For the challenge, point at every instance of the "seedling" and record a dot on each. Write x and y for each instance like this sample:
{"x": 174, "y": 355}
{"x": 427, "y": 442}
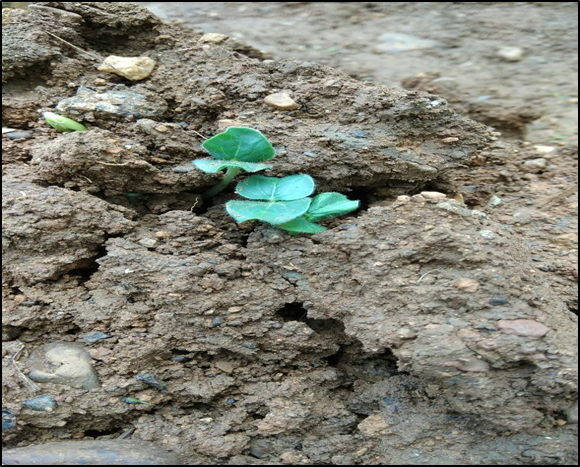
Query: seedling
{"x": 235, "y": 149}
{"x": 285, "y": 203}
{"x": 60, "y": 123}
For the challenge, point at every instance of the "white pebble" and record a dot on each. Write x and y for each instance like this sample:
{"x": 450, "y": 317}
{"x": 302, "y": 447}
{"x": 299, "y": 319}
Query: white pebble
{"x": 132, "y": 68}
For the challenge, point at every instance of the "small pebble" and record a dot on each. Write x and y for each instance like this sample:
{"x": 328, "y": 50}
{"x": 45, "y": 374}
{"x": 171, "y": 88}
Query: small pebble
{"x": 567, "y": 239}
{"x": 511, "y": 53}
{"x": 544, "y": 149}
{"x": 258, "y": 453}
{"x": 497, "y": 301}
{"x": 217, "y": 321}
{"x": 535, "y": 165}
{"x": 433, "y": 195}
{"x": 151, "y": 381}
{"x": 282, "y": 101}
{"x": 95, "y": 337}
{"x": 523, "y": 327}
{"x": 132, "y": 68}
{"x": 213, "y": 38}
{"x": 19, "y": 135}
{"x": 8, "y": 425}
{"x": 466, "y": 284}
{"x": 40, "y": 404}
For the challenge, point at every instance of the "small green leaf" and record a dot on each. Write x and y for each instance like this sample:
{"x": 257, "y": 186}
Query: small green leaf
{"x": 301, "y": 225}
{"x": 272, "y": 212}
{"x": 240, "y": 144}
{"x": 212, "y": 166}
{"x": 327, "y": 205}
{"x": 259, "y": 187}
{"x": 60, "y": 123}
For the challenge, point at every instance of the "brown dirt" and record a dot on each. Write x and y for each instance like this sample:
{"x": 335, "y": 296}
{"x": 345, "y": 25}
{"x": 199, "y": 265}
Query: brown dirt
{"x": 415, "y": 331}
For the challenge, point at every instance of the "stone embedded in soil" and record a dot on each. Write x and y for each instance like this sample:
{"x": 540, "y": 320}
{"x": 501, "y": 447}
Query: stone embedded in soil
{"x": 535, "y": 165}
{"x": 94, "y": 337}
{"x": 40, "y": 404}
{"x": 433, "y": 195}
{"x": 132, "y": 68}
{"x": 94, "y": 452}
{"x": 213, "y": 38}
{"x": 374, "y": 426}
{"x": 511, "y": 53}
{"x": 523, "y": 327}
{"x": 112, "y": 104}
{"x": 8, "y": 424}
{"x": 466, "y": 284}
{"x": 281, "y": 101}
{"x": 19, "y": 135}
{"x": 63, "y": 363}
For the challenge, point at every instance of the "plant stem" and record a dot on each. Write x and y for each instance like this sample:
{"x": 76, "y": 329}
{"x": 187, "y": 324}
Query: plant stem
{"x": 228, "y": 177}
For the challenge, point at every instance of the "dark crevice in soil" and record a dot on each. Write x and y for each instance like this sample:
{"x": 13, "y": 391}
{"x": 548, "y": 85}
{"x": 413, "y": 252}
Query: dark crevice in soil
{"x": 100, "y": 433}
{"x": 292, "y": 312}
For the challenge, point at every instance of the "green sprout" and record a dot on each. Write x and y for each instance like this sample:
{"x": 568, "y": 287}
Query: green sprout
{"x": 235, "y": 149}
{"x": 60, "y": 123}
{"x": 285, "y": 203}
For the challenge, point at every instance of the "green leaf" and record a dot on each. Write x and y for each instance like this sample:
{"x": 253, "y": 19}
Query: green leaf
{"x": 212, "y": 166}
{"x": 301, "y": 225}
{"x": 327, "y": 205}
{"x": 60, "y": 123}
{"x": 289, "y": 188}
{"x": 240, "y": 144}
{"x": 272, "y": 212}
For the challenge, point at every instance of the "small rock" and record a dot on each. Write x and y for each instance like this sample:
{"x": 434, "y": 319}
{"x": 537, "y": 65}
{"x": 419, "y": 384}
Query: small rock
{"x": 466, "y": 284}
{"x": 93, "y": 337}
{"x": 8, "y": 425}
{"x": 19, "y": 135}
{"x": 217, "y": 321}
{"x": 132, "y": 68}
{"x": 497, "y": 301}
{"x": 213, "y": 38}
{"x": 433, "y": 195}
{"x": 63, "y": 363}
{"x": 373, "y": 426}
{"x": 395, "y": 42}
{"x": 99, "y": 82}
{"x": 151, "y": 381}
{"x": 100, "y": 353}
{"x": 511, "y": 53}
{"x": 406, "y": 333}
{"x": 112, "y": 103}
{"x": 94, "y": 452}
{"x": 225, "y": 366}
{"x": 523, "y": 327}
{"x": 567, "y": 239}
{"x": 535, "y": 165}
{"x": 487, "y": 234}
{"x": 472, "y": 365}
{"x": 40, "y": 404}
{"x": 282, "y": 101}
{"x": 544, "y": 149}
{"x": 257, "y": 453}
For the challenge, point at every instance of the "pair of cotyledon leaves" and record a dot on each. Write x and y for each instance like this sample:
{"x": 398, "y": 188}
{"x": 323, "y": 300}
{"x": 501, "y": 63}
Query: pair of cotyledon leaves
{"x": 283, "y": 202}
